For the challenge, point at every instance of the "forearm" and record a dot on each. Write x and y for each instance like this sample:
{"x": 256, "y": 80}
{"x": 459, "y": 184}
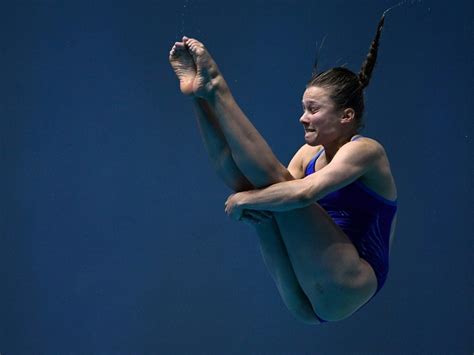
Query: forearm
{"x": 284, "y": 196}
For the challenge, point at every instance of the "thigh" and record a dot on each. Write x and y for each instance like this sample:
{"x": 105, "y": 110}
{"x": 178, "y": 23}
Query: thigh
{"x": 325, "y": 261}
{"x": 278, "y": 264}
{"x": 315, "y": 243}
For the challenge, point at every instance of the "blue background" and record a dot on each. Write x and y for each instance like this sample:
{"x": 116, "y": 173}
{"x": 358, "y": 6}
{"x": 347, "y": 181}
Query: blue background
{"x": 113, "y": 236}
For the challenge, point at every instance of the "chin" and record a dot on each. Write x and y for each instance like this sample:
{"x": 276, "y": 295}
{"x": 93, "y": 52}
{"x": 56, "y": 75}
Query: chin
{"x": 312, "y": 142}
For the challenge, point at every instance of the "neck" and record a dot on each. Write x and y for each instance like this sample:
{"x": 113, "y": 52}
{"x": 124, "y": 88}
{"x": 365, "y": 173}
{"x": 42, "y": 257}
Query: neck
{"x": 331, "y": 148}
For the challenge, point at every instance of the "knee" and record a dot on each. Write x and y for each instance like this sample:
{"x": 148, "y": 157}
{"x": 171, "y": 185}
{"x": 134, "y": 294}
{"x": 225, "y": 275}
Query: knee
{"x": 285, "y": 175}
{"x": 274, "y": 175}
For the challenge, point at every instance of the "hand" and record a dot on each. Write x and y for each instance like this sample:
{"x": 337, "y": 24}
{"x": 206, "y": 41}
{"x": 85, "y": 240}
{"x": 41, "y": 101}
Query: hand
{"x": 235, "y": 208}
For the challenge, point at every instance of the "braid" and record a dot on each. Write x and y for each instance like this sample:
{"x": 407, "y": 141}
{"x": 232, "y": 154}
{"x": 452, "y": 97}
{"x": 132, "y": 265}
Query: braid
{"x": 346, "y": 88}
{"x": 369, "y": 63}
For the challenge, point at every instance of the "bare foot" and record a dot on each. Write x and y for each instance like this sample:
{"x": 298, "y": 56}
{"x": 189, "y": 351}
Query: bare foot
{"x": 206, "y": 69}
{"x": 184, "y": 67}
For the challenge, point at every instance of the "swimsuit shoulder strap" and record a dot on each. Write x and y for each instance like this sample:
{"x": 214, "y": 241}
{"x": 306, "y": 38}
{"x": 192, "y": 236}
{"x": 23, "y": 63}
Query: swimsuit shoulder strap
{"x": 310, "y": 168}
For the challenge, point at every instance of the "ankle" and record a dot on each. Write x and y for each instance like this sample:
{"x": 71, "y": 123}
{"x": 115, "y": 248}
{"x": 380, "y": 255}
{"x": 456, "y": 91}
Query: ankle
{"x": 218, "y": 86}
{"x": 215, "y": 88}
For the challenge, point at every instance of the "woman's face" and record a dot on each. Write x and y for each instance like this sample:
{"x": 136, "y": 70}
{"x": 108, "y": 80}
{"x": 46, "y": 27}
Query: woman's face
{"x": 320, "y": 119}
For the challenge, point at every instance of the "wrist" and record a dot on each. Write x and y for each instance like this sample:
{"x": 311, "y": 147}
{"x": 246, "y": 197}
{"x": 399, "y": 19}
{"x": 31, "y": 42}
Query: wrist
{"x": 245, "y": 201}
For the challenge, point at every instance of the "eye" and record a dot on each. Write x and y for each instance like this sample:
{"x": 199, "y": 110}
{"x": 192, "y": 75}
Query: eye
{"x": 312, "y": 109}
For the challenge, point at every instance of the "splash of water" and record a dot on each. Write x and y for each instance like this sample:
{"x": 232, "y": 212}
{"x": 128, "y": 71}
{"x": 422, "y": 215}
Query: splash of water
{"x": 405, "y": 2}
{"x": 183, "y": 17}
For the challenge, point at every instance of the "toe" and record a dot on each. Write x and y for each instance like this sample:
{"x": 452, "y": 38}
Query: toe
{"x": 198, "y": 43}
{"x": 192, "y": 41}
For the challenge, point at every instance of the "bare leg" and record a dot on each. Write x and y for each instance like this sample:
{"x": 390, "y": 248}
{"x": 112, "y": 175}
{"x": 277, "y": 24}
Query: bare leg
{"x": 271, "y": 244}
{"x": 272, "y": 247}
{"x": 250, "y": 151}
{"x": 217, "y": 148}
{"x": 324, "y": 259}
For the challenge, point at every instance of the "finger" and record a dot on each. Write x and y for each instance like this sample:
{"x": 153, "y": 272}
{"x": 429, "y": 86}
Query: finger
{"x": 267, "y": 214}
{"x": 256, "y": 216}
{"x": 249, "y": 220}
{"x": 253, "y": 214}
{"x": 260, "y": 215}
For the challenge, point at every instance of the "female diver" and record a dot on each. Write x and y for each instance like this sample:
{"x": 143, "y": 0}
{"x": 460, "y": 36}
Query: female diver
{"x": 325, "y": 223}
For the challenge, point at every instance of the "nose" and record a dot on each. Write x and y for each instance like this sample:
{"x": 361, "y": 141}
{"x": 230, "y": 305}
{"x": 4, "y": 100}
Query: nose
{"x": 304, "y": 119}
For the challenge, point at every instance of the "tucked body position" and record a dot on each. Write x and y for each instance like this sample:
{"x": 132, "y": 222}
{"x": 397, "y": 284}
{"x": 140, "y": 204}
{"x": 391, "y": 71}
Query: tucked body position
{"x": 326, "y": 222}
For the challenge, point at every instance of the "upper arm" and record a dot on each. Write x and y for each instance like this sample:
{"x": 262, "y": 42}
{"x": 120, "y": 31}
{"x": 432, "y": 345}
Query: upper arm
{"x": 352, "y": 161}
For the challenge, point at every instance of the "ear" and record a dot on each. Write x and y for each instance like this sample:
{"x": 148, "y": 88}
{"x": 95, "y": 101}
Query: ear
{"x": 348, "y": 115}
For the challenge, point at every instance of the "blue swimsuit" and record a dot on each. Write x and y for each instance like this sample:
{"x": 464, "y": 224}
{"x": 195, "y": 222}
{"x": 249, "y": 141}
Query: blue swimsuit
{"x": 365, "y": 217}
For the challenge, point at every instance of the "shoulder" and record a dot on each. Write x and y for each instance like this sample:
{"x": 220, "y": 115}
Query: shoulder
{"x": 364, "y": 148}
{"x": 364, "y": 157}
{"x": 378, "y": 176}
{"x": 372, "y": 144}
{"x": 301, "y": 159}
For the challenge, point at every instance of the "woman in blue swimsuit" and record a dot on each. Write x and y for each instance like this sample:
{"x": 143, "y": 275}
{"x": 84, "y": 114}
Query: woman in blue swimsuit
{"x": 325, "y": 223}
